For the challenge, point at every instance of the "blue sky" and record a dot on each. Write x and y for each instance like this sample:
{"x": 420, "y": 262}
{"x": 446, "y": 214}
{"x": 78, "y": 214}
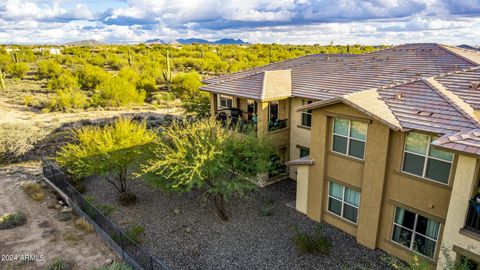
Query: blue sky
{"x": 256, "y": 21}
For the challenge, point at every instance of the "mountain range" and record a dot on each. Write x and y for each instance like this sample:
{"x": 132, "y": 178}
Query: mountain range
{"x": 196, "y": 40}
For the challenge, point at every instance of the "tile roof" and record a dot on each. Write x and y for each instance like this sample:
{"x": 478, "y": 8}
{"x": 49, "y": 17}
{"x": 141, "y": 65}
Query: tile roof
{"x": 424, "y": 87}
{"x": 322, "y": 77}
{"x": 466, "y": 141}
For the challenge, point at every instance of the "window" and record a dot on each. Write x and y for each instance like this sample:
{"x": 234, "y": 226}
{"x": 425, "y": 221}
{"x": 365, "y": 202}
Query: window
{"x": 226, "y": 101}
{"x": 415, "y": 232}
{"x": 343, "y": 201}
{"x": 306, "y": 115}
{"x": 304, "y": 152}
{"x": 467, "y": 263}
{"x": 425, "y": 161}
{"x": 349, "y": 137}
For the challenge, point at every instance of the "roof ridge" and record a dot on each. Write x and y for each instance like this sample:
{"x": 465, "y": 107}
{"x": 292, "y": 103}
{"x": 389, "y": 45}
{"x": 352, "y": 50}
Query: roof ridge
{"x": 454, "y": 100}
{"x": 447, "y": 49}
{"x": 283, "y": 61}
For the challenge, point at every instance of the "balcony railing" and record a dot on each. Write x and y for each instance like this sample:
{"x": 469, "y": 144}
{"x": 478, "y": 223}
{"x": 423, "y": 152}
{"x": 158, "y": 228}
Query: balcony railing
{"x": 277, "y": 124}
{"x": 473, "y": 216}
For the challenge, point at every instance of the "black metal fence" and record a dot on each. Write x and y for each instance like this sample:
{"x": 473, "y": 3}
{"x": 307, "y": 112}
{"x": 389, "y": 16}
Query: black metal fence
{"x": 473, "y": 216}
{"x": 125, "y": 247}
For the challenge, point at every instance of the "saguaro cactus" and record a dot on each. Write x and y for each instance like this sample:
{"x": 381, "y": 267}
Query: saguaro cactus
{"x": 167, "y": 72}
{"x": 130, "y": 59}
{"x": 2, "y": 80}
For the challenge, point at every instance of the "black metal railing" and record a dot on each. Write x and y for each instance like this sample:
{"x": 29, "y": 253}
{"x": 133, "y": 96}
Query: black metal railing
{"x": 125, "y": 247}
{"x": 277, "y": 124}
{"x": 473, "y": 216}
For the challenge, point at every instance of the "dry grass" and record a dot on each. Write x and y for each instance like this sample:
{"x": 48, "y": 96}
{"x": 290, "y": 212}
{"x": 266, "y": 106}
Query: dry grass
{"x": 82, "y": 224}
{"x": 71, "y": 237}
{"x": 33, "y": 190}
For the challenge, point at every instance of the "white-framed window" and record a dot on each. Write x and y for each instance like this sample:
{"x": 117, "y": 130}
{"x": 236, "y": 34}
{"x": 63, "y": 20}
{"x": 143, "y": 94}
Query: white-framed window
{"x": 421, "y": 159}
{"x": 349, "y": 137}
{"x": 226, "y": 101}
{"x": 306, "y": 115}
{"x": 343, "y": 201}
{"x": 415, "y": 232}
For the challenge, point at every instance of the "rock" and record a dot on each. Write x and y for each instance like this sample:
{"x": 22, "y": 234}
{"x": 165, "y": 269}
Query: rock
{"x": 61, "y": 202}
{"x": 48, "y": 233}
{"x": 188, "y": 230}
{"x": 67, "y": 209}
{"x": 109, "y": 261}
{"x": 64, "y": 216}
{"x": 176, "y": 211}
{"x": 44, "y": 224}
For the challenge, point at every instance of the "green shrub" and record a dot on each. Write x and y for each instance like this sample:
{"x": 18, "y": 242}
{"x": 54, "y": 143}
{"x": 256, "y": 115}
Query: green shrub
{"x": 17, "y": 70}
{"x": 312, "y": 243}
{"x": 115, "y": 266}
{"x": 65, "y": 81}
{"x": 11, "y": 220}
{"x": 118, "y": 91}
{"x": 18, "y": 139}
{"x": 90, "y": 76}
{"x": 59, "y": 264}
{"x": 33, "y": 190}
{"x": 105, "y": 209}
{"x": 49, "y": 68}
{"x": 199, "y": 105}
{"x": 135, "y": 232}
{"x": 68, "y": 99}
{"x": 186, "y": 85}
{"x": 29, "y": 100}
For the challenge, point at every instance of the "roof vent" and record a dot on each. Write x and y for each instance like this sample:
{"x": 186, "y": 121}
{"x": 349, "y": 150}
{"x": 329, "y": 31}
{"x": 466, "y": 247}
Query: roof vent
{"x": 418, "y": 74}
{"x": 475, "y": 85}
{"x": 398, "y": 96}
{"x": 424, "y": 113}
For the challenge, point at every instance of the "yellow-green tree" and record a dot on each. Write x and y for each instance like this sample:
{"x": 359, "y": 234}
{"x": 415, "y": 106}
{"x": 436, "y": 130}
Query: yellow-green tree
{"x": 204, "y": 155}
{"x": 114, "y": 152}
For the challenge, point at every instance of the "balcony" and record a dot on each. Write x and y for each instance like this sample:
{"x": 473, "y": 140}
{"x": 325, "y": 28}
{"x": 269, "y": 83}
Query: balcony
{"x": 277, "y": 125}
{"x": 232, "y": 119}
{"x": 473, "y": 216}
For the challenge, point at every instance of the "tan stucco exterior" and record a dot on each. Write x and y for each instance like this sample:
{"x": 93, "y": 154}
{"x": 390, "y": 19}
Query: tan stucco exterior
{"x": 378, "y": 178}
{"x": 299, "y": 135}
{"x": 455, "y": 237}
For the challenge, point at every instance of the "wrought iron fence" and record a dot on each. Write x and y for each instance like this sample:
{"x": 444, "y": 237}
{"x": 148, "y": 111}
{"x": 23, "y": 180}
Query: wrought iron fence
{"x": 125, "y": 247}
{"x": 473, "y": 216}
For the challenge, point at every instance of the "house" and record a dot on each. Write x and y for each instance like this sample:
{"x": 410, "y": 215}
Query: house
{"x": 384, "y": 146}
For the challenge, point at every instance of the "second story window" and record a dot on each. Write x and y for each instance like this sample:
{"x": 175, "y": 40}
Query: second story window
{"x": 226, "y": 101}
{"x": 423, "y": 160}
{"x": 306, "y": 115}
{"x": 349, "y": 137}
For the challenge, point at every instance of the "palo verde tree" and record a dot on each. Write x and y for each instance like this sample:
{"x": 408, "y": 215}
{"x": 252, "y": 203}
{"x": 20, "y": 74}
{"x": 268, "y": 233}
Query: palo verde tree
{"x": 114, "y": 152}
{"x": 203, "y": 155}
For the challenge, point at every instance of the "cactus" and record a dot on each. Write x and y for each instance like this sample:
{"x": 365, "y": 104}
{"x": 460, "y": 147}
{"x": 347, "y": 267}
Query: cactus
{"x": 167, "y": 72}
{"x": 130, "y": 59}
{"x": 2, "y": 80}
{"x": 15, "y": 58}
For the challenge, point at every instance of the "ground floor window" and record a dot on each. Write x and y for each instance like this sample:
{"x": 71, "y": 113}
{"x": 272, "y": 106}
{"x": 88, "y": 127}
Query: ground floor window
{"x": 304, "y": 152}
{"x": 343, "y": 201}
{"x": 415, "y": 232}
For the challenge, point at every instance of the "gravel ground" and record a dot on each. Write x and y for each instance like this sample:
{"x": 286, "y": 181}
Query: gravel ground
{"x": 185, "y": 232}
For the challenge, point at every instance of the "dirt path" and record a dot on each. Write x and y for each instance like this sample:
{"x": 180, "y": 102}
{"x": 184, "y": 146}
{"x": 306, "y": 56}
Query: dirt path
{"x": 43, "y": 234}
{"x": 12, "y": 113}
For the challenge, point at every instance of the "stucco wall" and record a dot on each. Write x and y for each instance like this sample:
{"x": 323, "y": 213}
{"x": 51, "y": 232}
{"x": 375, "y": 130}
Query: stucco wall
{"x": 298, "y": 135}
{"x": 462, "y": 190}
{"x": 378, "y": 177}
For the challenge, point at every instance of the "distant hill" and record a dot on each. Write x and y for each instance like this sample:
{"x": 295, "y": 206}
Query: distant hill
{"x": 174, "y": 42}
{"x": 200, "y": 41}
{"x": 230, "y": 41}
{"x": 468, "y": 47}
{"x": 155, "y": 41}
{"x": 193, "y": 40}
{"x": 87, "y": 42}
